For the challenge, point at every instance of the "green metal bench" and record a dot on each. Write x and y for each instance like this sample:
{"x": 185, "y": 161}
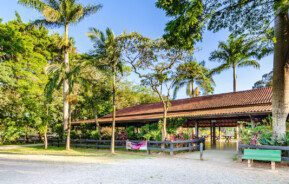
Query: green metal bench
{"x": 262, "y": 155}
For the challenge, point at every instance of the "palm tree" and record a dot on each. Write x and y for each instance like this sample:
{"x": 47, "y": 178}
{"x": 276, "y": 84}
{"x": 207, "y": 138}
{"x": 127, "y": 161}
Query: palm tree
{"x": 193, "y": 73}
{"x": 235, "y": 53}
{"x": 107, "y": 51}
{"x": 61, "y": 13}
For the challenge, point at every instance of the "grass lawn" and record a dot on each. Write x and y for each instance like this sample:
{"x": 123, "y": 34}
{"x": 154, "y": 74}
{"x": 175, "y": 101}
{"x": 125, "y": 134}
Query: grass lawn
{"x": 60, "y": 151}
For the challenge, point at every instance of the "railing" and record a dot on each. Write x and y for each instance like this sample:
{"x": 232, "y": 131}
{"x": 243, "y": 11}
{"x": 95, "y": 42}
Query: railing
{"x": 164, "y": 146}
{"x": 284, "y": 149}
{"x": 178, "y": 145}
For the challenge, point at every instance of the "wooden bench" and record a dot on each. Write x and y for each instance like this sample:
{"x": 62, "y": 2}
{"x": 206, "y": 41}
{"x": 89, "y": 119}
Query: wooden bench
{"x": 262, "y": 155}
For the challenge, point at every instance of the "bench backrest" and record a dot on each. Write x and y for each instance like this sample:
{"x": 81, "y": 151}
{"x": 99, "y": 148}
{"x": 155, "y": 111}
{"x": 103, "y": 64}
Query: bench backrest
{"x": 263, "y": 155}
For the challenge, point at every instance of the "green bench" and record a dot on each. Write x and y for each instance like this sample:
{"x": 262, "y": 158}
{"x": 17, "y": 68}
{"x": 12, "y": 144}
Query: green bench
{"x": 262, "y": 155}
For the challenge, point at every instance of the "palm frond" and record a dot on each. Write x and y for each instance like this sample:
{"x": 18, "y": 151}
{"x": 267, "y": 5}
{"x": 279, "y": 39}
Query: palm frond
{"x": 220, "y": 68}
{"x": 52, "y": 68}
{"x": 249, "y": 62}
{"x": 43, "y": 22}
{"x": 51, "y": 14}
{"x": 53, "y": 3}
{"x": 89, "y": 10}
{"x": 36, "y": 4}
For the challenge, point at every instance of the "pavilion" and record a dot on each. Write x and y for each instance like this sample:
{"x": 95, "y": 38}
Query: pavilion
{"x": 220, "y": 110}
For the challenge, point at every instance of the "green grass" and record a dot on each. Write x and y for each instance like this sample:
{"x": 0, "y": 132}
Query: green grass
{"x": 60, "y": 151}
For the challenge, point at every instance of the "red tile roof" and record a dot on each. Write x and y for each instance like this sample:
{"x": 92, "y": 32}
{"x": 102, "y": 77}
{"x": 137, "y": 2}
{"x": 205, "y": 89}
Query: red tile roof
{"x": 255, "y": 101}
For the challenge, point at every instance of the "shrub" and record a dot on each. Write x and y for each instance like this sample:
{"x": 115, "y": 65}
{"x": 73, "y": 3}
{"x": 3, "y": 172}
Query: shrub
{"x": 261, "y": 134}
{"x": 131, "y": 134}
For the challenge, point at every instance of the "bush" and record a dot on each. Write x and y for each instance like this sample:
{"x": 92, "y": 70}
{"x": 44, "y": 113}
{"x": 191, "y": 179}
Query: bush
{"x": 151, "y": 131}
{"x": 261, "y": 134}
{"x": 131, "y": 134}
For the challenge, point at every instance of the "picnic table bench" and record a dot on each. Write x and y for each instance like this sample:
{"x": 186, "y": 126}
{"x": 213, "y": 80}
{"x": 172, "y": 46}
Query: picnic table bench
{"x": 262, "y": 155}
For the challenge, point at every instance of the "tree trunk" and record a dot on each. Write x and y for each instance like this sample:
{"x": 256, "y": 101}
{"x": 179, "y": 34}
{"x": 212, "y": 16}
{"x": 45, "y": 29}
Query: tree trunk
{"x": 164, "y": 127}
{"x": 68, "y": 131}
{"x": 65, "y": 81}
{"x": 113, "y": 113}
{"x": 280, "y": 98}
{"x": 97, "y": 126}
{"x": 234, "y": 79}
{"x": 45, "y": 139}
{"x": 192, "y": 89}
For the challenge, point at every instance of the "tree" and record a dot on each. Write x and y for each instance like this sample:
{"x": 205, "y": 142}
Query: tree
{"x": 57, "y": 74}
{"x": 235, "y": 53}
{"x": 155, "y": 63}
{"x": 61, "y": 13}
{"x": 107, "y": 50}
{"x": 254, "y": 17}
{"x": 193, "y": 73}
{"x": 265, "y": 82}
{"x": 26, "y": 51}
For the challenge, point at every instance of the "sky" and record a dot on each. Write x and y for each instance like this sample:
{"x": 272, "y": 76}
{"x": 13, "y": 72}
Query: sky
{"x": 142, "y": 16}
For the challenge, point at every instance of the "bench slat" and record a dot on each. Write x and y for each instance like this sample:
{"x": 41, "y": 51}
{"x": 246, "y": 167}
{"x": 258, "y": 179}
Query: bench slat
{"x": 262, "y": 155}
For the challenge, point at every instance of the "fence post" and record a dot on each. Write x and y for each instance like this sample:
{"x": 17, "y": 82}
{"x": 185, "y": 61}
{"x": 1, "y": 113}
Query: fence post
{"x": 190, "y": 146}
{"x": 201, "y": 150}
{"x": 148, "y": 148}
{"x": 171, "y": 148}
{"x": 239, "y": 153}
{"x": 96, "y": 144}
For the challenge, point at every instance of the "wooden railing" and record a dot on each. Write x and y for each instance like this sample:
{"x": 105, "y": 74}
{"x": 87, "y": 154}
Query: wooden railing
{"x": 284, "y": 149}
{"x": 164, "y": 146}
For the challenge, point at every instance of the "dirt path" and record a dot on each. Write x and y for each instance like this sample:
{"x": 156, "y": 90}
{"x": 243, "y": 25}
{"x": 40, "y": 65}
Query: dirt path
{"x": 217, "y": 167}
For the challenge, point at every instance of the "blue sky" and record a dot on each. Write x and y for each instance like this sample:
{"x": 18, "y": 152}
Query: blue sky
{"x": 142, "y": 16}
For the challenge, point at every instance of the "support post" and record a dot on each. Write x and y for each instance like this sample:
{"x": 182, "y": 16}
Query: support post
{"x": 201, "y": 150}
{"x": 190, "y": 146}
{"x": 273, "y": 165}
{"x": 238, "y": 138}
{"x": 214, "y": 133}
{"x": 211, "y": 133}
{"x": 219, "y": 133}
{"x": 171, "y": 148}
{"x": 249, "y": 163}
{"x": 196, "y": 129}
{"x": 148, "y": 148}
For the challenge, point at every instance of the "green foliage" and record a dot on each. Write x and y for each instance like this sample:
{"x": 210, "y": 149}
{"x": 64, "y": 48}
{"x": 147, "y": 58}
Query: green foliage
{"x": 193, "y": 73}
{"x": 60, "y": 13}
{"x": 151, "y": 131}
{"x": 190, "y": 18}
{"x": 22, "y": 81}
{"x": 236, "y": 52}
{"x": 186, "y": 25}
{"x": 261, "y": 134}
{"x": 131, "y": 134}
{"x": 174, "y": 124}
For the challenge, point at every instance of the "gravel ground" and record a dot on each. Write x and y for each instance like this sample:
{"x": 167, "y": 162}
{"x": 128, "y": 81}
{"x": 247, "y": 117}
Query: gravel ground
{"x": 217, "y": 167}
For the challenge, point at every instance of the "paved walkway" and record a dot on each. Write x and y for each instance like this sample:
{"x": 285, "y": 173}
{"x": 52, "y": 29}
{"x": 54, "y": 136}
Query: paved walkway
{"x": 217, "y": 167}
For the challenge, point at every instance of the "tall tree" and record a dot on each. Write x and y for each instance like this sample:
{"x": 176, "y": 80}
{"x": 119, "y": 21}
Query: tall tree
{"x": 235, "y": 53}
{"x": 62, "y": 13}
{"x": 155, "y": 63}
{"x": 26, "y": 51}
{"x": 107, "y": 51}
{"x": 193, "y": 74}
{"x": 255, "y": 17}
